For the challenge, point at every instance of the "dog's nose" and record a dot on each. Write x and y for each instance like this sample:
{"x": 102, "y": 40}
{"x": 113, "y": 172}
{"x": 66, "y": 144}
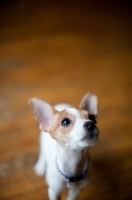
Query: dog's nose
{"x": 89, "y": 125}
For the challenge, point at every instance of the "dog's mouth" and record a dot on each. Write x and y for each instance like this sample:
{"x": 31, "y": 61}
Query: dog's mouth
{"x": 91, "y": 135}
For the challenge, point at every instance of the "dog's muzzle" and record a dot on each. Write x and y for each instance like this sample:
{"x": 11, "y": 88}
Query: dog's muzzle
{"x": 91, "y": 128}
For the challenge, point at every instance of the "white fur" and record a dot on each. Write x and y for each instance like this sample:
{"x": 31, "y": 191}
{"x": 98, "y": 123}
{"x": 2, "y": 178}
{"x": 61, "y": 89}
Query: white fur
{"x": 62, "y": 106}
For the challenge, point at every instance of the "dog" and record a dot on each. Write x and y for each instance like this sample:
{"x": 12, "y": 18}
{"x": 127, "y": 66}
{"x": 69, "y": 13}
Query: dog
{"x": 66, "y": 135}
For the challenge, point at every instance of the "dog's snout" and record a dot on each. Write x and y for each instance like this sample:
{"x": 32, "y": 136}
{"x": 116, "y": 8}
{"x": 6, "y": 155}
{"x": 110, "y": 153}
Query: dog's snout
{"x": 89, "y": 125}
{"x": 91, "y": 129}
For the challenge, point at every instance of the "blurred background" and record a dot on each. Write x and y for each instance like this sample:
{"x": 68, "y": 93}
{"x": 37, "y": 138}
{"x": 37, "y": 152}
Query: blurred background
{"x": 58, "y": 51}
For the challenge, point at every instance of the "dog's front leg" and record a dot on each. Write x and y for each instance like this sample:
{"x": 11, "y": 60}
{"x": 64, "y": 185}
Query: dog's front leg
{"x": 39, "y": 167}
{"x": 54, "y": 194}
{"x": 73, "y": 193}
{"x": 76, "y": 189}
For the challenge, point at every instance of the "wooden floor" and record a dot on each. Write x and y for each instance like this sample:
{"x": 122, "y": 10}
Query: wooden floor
{"x": 58, "y": 52}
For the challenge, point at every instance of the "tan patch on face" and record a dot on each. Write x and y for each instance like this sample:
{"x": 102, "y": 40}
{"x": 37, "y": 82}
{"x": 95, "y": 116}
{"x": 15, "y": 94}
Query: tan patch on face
{"x": 60, "y": 132}
{"x": 83, "y": 113}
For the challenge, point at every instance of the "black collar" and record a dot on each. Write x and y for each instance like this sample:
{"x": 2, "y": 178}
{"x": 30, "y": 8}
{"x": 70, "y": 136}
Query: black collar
{"x": 73, "y": 179}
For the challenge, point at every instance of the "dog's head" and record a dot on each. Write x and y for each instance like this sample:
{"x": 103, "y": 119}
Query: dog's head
{"x": 72, "y": 127}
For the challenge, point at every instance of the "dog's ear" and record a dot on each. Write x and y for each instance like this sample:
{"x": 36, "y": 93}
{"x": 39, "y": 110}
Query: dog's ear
{"x": 43, "y": 113}
{"x": 90, "y": 103}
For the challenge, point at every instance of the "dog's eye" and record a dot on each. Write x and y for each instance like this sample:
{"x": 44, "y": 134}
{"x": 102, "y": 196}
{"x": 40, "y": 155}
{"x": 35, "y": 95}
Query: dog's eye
{"x": 92, "y": 118}
{"x": 65, "y": 122}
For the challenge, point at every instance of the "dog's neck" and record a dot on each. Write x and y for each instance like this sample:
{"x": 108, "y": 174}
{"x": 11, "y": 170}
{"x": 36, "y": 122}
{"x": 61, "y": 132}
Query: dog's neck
{"x": 72, "y": 162}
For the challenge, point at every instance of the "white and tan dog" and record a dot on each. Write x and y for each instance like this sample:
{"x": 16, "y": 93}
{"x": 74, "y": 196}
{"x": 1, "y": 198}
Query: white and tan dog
{"x": 66, "y": 135}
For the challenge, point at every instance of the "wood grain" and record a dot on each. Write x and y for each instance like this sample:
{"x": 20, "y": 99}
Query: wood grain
{"x": 58, "y": 51}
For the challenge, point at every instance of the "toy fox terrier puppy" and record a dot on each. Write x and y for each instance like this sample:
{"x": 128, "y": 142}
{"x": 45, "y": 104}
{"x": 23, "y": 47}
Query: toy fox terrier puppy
{"x": 66, "y": 135}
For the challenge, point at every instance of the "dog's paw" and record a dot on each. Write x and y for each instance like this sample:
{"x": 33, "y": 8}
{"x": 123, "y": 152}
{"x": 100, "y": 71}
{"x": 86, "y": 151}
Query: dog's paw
{"x": 39, "y": 169}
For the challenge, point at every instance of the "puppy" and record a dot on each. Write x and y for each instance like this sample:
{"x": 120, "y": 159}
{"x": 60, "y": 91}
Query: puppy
{"x": 66, "y": 135}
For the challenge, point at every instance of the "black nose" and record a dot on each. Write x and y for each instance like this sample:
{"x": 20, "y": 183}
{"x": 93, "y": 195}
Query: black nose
{"x": 89, "y": 125}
